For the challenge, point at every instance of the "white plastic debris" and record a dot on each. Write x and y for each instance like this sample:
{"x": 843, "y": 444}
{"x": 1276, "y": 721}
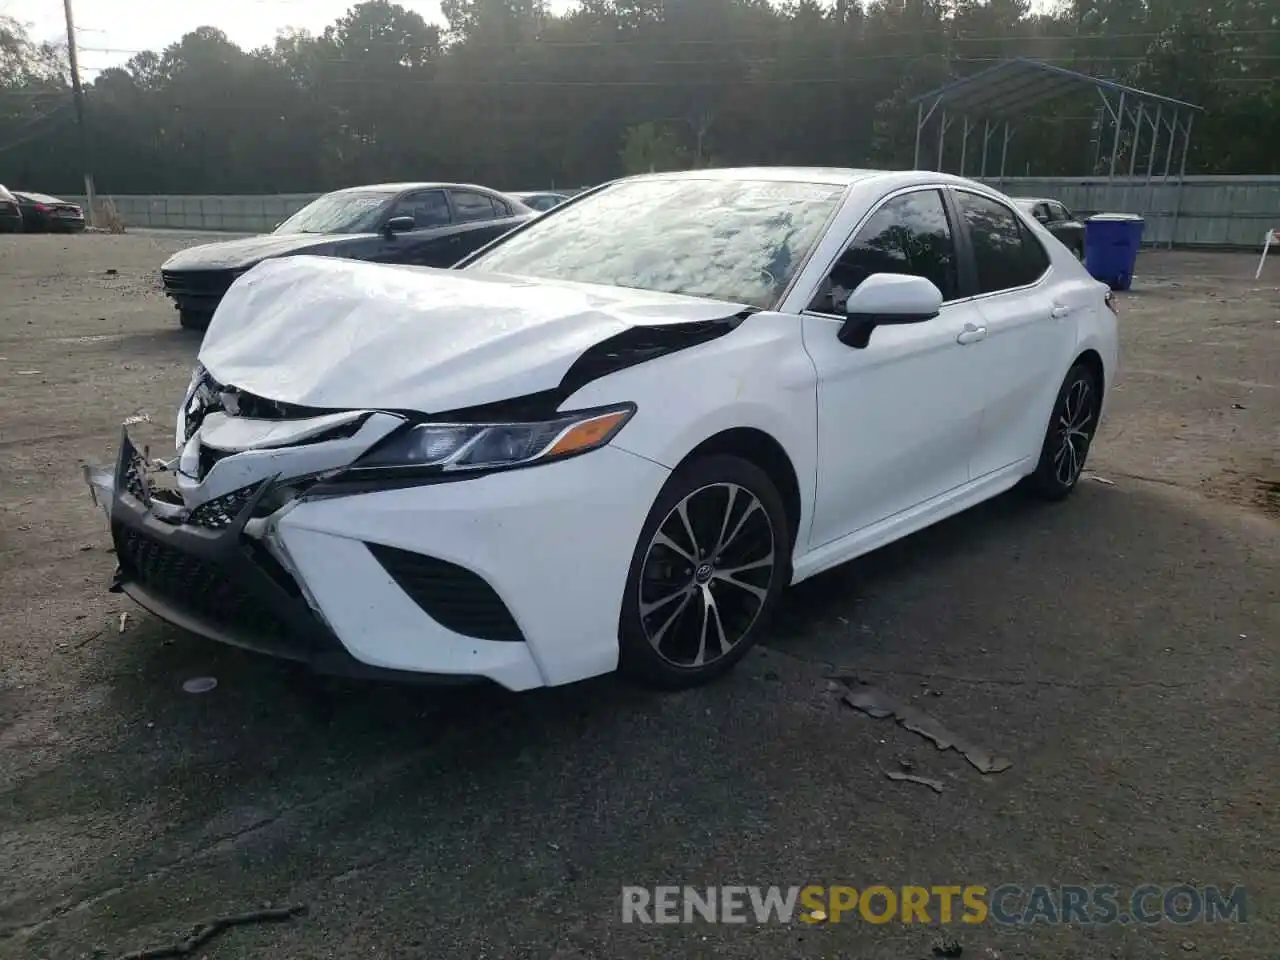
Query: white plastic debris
{"x": 124, "y": 618}
{"x": 200, "y": 684}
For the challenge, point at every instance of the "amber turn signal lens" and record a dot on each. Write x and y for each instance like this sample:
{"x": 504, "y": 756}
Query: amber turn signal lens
{"x": 588, "y": 433}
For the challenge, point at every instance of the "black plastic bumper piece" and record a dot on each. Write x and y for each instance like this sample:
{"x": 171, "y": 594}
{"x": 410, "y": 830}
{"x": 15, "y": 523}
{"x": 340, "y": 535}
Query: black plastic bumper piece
{"x": 453, "y": 596}
{"x": 225, "y": 586}
{"x": 199, "y": 291}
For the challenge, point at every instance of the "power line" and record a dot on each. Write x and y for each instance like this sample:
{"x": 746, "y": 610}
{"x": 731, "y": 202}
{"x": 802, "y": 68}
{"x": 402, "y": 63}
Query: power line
{"x": 34, "y": 121}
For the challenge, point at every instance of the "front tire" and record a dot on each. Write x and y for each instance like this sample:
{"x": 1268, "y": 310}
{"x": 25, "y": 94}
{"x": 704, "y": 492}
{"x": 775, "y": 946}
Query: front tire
{"x": 1069, "y": 435}
{"x": 705, "y": 576}
{"x": 194, "y": 319}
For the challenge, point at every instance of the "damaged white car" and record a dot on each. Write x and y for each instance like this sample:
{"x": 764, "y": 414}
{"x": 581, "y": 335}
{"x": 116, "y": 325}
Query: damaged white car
{"x": 613, "y": 436}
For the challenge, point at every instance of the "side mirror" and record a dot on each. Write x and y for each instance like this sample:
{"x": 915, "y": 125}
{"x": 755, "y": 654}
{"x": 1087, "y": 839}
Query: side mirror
{"x": 399, "y": 225}
{"x": 885, "y": 299}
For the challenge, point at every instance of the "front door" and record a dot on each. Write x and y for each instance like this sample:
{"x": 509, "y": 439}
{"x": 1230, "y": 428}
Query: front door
{"x": 897, "y": 419}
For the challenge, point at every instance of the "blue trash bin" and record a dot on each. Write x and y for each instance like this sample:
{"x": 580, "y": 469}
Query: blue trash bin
{"x": 1111, "y": 242}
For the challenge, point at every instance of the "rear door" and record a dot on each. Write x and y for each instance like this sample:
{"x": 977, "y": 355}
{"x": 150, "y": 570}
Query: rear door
{"x": 470, "y": 206}
{"x": 1030, "y": 334}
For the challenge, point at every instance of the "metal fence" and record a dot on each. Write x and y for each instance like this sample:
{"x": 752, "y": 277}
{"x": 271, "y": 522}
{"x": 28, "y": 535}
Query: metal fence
{"x": 1227, "y": 212}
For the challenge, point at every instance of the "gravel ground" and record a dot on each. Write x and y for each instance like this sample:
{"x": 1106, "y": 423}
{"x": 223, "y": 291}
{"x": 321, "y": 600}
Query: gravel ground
{"x": 1120, "y": 649}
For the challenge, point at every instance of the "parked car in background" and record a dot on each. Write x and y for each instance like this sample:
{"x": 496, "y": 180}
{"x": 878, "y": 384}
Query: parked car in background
{"x": 428, "y": 224}
{"x": 540, "y": 201}
{"x": 611, "y": 438}
{"x": 10, "y": 215}
{"x": 1057, "y": 219}
{"x": 42, "y": 213}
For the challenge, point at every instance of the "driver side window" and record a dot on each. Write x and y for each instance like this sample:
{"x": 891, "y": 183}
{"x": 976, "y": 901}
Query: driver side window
{"x": 427, "y": 207}
{"x": 910, "y": 234}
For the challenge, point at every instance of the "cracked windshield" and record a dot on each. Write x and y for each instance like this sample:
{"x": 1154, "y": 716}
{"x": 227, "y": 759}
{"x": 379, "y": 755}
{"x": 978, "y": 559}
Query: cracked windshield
{"x": 634, "y": 479}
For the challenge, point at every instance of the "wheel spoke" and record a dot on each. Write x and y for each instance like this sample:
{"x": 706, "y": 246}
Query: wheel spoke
{"x": 710, "y": 616}
{"x": 683, "y": 511}
{"x": 751, "y": 508}
{"x": 724, "y": 524}
{"x": 662, "y": 540}
{"x": 758, "y": 592}
{"x": 655, "y": 638}
{"x": 647, "y": 608}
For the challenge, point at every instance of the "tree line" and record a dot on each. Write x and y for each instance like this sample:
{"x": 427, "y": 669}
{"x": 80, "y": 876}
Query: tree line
{"x": 507, "y": 94}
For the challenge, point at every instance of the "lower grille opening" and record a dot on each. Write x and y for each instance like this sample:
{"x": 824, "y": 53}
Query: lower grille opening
{"x": 197, "y": 586}
{"x": 453, "y": 596}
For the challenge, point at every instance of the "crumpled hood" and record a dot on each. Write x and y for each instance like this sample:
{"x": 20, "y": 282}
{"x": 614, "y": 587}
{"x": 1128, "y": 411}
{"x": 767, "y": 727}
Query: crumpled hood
{"x": 330, "y": 333}
{"x": 232, "y": 254}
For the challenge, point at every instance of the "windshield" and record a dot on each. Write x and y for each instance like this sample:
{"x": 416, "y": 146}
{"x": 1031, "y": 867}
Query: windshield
{"x": 345, "y": 212}
{"x": 733, "y": 240}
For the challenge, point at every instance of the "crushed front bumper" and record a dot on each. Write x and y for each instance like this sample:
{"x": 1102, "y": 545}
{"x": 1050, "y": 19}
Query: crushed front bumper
{"x": 217, "y": 581}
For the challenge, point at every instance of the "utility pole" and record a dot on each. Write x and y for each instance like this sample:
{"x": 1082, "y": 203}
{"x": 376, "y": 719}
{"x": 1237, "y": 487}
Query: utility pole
{"x": 78, "y": 92}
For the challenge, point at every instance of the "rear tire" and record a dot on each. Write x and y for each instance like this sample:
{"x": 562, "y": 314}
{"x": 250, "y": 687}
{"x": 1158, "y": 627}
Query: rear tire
{"x": 712, "y": 559}
{"x": 1069, "y": 435}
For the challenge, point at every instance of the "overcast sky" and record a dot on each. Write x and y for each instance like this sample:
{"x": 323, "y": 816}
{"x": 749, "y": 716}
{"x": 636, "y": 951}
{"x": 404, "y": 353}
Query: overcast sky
{"x": 109, "y": 31}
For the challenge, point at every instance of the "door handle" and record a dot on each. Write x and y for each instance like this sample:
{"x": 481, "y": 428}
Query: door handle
{"x": 1059, "y": 311}
{"x": 971, "y": 334}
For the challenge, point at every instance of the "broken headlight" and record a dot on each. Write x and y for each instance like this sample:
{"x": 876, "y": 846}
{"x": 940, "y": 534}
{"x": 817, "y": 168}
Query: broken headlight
{"x": 491, "y": 446}
{"x": 201, "y": 398}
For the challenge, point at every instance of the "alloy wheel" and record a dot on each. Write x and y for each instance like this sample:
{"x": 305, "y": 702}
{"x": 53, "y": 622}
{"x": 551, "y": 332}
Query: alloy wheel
{"x": 706, "y": 575}
{"x": 1074, "y": 431}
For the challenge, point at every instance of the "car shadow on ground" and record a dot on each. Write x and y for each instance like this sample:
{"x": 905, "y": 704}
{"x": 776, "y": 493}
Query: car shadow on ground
{"x": 358, "y": 798}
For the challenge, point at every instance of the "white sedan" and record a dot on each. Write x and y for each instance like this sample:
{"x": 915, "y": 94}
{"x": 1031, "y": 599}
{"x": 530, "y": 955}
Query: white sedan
{"x": 609, "y": 439}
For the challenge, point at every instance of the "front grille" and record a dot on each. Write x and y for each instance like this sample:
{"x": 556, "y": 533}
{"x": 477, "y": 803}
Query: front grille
{"x": 453, "y": 596}
{"x": 197, "y": 587}
{"x": 207, "y": 283}
{"x": 220, "y": 512}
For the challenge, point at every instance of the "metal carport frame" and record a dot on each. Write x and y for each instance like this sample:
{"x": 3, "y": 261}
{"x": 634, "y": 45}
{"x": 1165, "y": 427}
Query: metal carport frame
{"x": 1005, "y": 91}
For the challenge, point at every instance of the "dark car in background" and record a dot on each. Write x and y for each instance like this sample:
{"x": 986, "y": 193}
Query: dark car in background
{"x": 427, "y": 224}
{"x": 42, "y": 213}
{"x": 10, "y": 215}
{"x": 541, "y": 201}
{"x": 1057, "y": 219}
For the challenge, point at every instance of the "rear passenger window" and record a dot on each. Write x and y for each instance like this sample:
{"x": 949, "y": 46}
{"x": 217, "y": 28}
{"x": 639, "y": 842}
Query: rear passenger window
{"x": 473, "y": 206}
{"x": 1005, "y": 252}
{"x": 910, "y": 234}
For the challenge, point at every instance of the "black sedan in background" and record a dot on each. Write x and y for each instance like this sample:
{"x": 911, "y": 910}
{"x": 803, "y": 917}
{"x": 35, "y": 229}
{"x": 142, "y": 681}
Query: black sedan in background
{"x": 42, "y": 213}
{"x": 1057, "y": 219}
{"x": 10, "y": 215}
{"x": 427, "y": 224}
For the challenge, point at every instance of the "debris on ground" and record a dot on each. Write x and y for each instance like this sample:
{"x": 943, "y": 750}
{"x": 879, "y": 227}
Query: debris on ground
{"x": 124, "y": 618}
{"x": 112, "y": 271}
{"x": 879, "y": 705}
{"x": 950, "y": 947}
{"x": 202, "y": 933}
{"x": 139, "y": 417}
{"x": 1103, "y": 480}
{"x": 900, "y": 777}
{"x": 200, "y": 684}
{"x": 1237, "y": 406}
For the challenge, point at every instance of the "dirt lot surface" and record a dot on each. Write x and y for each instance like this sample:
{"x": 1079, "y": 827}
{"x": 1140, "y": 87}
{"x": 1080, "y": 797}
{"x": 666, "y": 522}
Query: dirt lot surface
{"x": 1121, "y": 649}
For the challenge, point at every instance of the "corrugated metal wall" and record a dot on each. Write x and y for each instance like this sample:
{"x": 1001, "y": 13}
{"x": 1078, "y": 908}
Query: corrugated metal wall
{"x": 1197, "y": 211}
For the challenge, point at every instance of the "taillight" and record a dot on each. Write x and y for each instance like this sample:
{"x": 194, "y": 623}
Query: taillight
{"x": 41, "y": 208}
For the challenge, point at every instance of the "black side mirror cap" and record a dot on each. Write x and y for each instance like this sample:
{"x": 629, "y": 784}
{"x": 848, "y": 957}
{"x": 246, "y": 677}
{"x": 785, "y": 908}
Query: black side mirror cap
{"x": 857, "y": 328}
{"x": 399, "y": 225}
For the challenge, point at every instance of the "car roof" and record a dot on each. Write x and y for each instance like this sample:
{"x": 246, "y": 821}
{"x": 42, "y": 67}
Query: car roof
{"x": 836, "y": 176}
{"x": 400, "y": 187}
